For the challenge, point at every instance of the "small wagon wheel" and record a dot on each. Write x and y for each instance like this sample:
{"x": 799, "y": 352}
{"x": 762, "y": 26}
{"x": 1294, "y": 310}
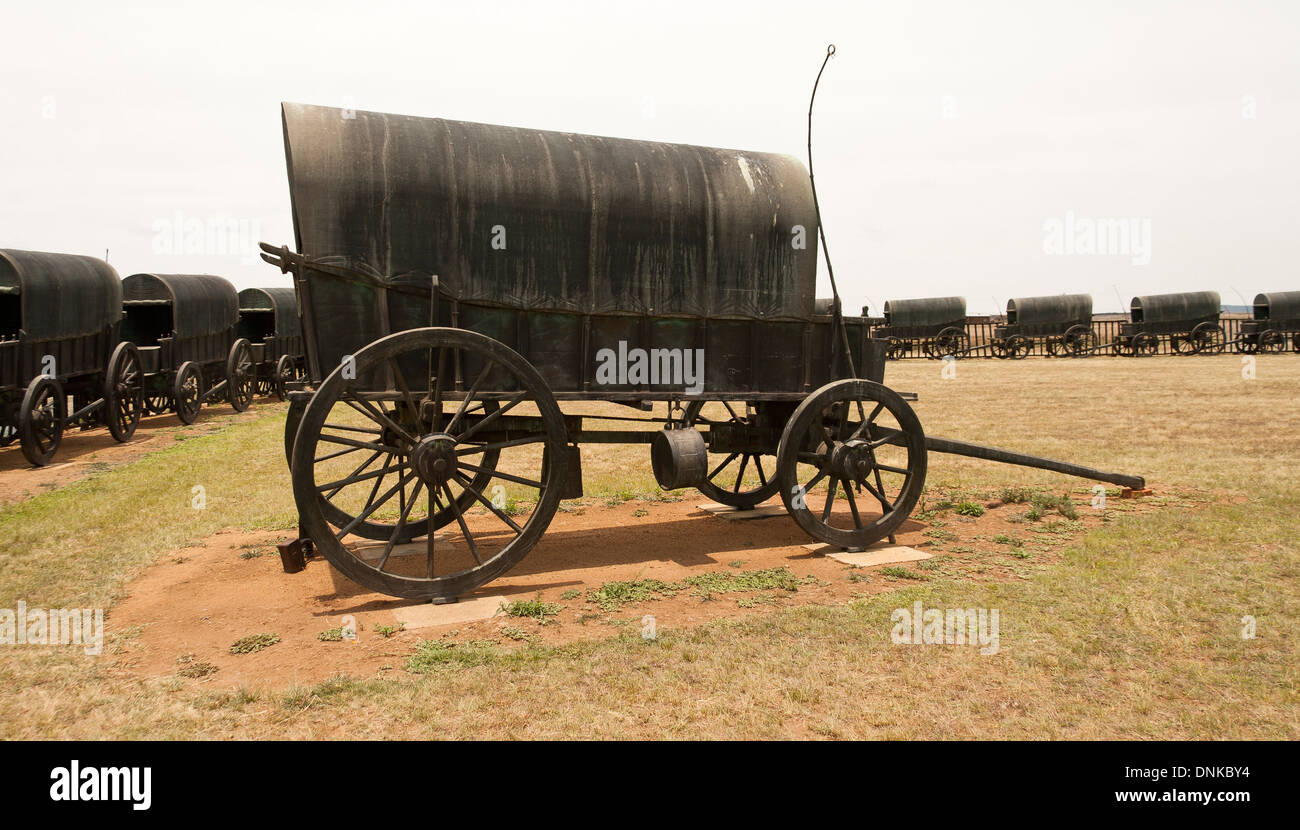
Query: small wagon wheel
{"x": 1019, "y": 347}
{"x": 240, "y": 375}
{"x": 432, "y": 444}
{"x": 1144, "y": 344}
{"x": 285, "y": 374}
{"x": 1295, "y": 342}
{"x": 187, "y": 392}
{"x": 949, "y": 342}
{"x": 896, "y": 348}
{"x": 8, "y": 434}
{"x": 864, "y": 438}
{"x": 156, "y": 403}
{"x": 123, "y": 391}
{"x": 728, "y": 469}
{"x": 1271, "y": 341}
{"x": 999, "y": 349}
{"x": 1206, "y": 338}
{"x": 40, "y": 420}
{"x": 1079, "y": 341}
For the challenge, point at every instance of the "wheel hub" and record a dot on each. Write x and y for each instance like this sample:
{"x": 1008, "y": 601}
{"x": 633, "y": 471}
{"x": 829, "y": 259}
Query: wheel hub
{"x": 852, "y": 460}
{"x": 434, "y": 459}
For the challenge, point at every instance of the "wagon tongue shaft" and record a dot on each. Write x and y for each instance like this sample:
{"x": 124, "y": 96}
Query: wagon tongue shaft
{"x": 953, "y": 447}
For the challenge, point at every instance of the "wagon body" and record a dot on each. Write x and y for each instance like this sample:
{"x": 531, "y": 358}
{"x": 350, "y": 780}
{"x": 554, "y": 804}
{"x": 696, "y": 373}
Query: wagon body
{"x": 1045, "y": 316}
{"x": 1276, "y": 311}
{"x": 61, "y": 363}
{"x": 268, "y": 318}
{"x": 185, "y": 327}
{"x": 919, "y": 318}
{"x": 558, "y": 245}
{"x": 1171, "y": 313}
{"x": 60, "y": 306}
{"x": 174, "y": 318}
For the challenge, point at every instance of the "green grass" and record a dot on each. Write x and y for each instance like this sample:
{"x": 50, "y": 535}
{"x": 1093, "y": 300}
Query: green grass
{"x": 534, "y": 609}
{"x": 253, "y": 643}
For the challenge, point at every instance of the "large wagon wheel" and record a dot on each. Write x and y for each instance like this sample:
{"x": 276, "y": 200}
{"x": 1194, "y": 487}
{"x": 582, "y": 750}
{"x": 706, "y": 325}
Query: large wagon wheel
{"x": 859, "y": 436}
{"x": 240, "y": 375}
{"x": 434, "y": 442}
{"x": 40, "y": 420}
{"x": 123, "y": 391}
{"x": 187, "y": 392}
{"x": 725, "y": 482}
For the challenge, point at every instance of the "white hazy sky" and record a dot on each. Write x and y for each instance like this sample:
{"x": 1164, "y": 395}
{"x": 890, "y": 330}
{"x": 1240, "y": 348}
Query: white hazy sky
{"x": 946, "y": 133}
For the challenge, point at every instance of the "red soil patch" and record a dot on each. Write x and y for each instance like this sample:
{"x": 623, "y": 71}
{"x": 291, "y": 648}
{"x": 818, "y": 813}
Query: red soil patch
{"x": 197, "y": 601}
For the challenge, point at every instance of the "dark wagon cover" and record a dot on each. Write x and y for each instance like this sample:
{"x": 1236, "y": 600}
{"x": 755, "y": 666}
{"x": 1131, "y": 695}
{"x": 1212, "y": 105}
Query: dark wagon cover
{"x": 59, "y": 318}
{"x": 268, "y": 319}
{"x": 185, "y": 328}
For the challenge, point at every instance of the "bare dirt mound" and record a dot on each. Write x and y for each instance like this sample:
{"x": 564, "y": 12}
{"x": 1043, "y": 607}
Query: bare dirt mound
{"x": 183, "y": 615}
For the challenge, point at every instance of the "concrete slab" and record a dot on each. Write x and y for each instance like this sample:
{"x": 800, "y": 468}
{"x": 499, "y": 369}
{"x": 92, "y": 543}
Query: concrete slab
{"x": 427, "y": 615}
{"x": 886, "y": 555}
{"x": 371, "y": 550}
{"x": 722, "y": 511}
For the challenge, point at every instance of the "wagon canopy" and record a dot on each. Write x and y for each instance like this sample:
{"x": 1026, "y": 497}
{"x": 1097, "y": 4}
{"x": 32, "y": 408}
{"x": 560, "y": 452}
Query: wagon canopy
{"x": 1277, "y": 305}
{"x": 279, "y": 299}
{"x": 1060, "y": 308}
{"x": 62, "y": 295}
{"x": 1169, "y": 308}
{"x": 929, "y": 311}
{"x": 554, "y": 221}
{"x": 201, "y": 304}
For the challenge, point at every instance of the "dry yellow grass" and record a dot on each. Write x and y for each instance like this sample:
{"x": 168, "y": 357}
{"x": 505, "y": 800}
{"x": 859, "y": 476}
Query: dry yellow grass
{"x": 1135, "y": 634}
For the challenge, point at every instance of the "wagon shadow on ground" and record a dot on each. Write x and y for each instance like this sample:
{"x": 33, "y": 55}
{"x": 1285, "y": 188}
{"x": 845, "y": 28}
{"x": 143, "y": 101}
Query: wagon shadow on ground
{"x": 697, "y": 540}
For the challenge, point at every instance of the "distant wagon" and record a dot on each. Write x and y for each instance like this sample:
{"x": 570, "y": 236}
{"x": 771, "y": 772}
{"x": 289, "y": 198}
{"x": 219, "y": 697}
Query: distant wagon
{"x": 1189, "y": 322}
{"x": 1275, "y": 322}
{"x": 185, "y": 329}
{"x": 934, "y": 325}
{"x": 268, "y": 320}
{"x": 1062, "y": 323}
{"x": 460, "y": 282}
{"x": 59, "y": 320}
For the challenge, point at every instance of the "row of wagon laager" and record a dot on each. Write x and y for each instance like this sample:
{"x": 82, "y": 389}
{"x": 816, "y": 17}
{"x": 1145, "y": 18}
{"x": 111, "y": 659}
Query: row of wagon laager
{"x": 80, "y": 347}
{"x": 1190, "y": 323}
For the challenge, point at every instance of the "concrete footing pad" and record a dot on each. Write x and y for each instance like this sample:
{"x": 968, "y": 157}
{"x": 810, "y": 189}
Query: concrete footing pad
{"x": 370, "y": 551}
{"x": 762, "y": 511}
{"x": 427, "y": 615}
{"x": 886, "y": 555}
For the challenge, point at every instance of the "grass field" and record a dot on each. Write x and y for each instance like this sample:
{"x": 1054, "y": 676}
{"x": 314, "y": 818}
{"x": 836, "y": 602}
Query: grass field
{"x": 1137, "y": 632}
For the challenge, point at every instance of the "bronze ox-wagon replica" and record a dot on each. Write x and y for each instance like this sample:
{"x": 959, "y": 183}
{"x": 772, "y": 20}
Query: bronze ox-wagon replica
{"x": 474, "y": 298}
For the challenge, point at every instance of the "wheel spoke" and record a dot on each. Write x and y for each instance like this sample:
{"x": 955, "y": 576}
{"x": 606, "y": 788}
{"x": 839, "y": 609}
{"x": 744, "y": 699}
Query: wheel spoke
{"x": 473, "y": 389}
{"x": 365, "y": 445}
{"x": 830, "y": 500}
{"x": 401, "y": 519}
{"x": 853, "y": 503}
{"x": 486, "y": 503}
{"x": 517, "y": 399}
{"x": 460, "y": 519}
{"x": 744, "y": 460}
{"x": 378, "y": 415}
{"x": 527, "y": 482}
{"x": 501, "y": 445}
{"x": 720, "y": 467}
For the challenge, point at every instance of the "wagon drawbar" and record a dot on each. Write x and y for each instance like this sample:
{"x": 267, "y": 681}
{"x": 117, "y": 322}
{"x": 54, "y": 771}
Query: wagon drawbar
{"x": 465, "y": 289}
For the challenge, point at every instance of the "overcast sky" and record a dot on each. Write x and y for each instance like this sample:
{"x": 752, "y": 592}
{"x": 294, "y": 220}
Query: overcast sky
{"x": 960, "y": 147}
